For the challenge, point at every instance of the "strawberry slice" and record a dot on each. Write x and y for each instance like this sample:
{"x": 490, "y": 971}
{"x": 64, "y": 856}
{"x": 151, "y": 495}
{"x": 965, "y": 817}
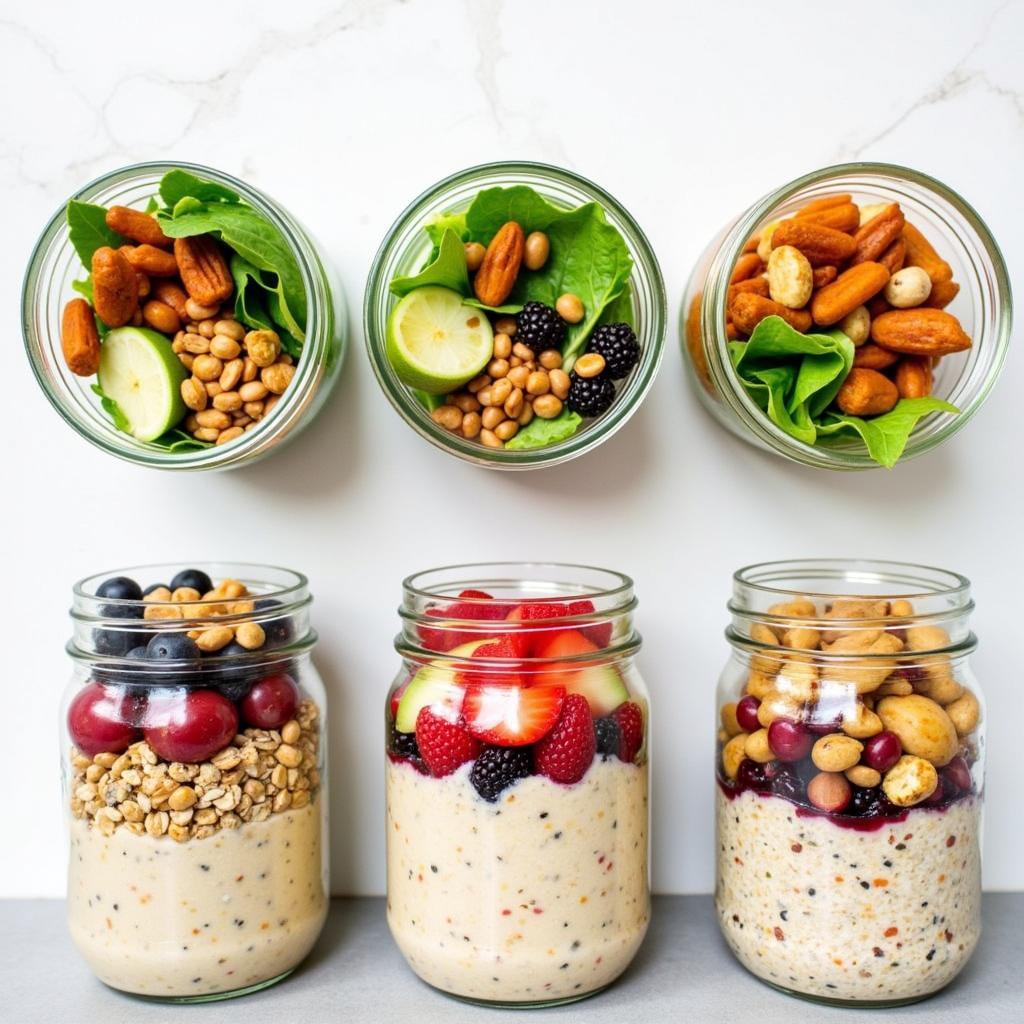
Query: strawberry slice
{"x": 396, "y": 696}
{"x": 444, "y": 747}
{"x": 600, "y": 633}
{"x": 511, "y": 716}
{"x": 447, "y": 636}
{"x": 533, "y": 615}
{"x": 565, "y": 754}
{"x": 631, "y": 730}
{"x": 505, "y": 648}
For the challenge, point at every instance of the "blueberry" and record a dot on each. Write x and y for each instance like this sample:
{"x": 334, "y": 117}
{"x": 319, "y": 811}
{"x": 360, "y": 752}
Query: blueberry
{"x": 138, "y": 653}
{"x": 233, "y": 676}
{"x": 122, "y": 611}
{"x": 120, "y": 588}
{"x": 279, "y": 632}
{"x": 154, "y": 586}
{"x": 235, "y": 689}
{"x": 114, "y": 643}
{"x": 194, "y": 578}
{"x": 172, "y": 647}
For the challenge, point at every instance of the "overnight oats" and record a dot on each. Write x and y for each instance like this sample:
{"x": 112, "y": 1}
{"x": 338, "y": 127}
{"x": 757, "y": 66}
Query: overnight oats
{"x": 517, "y": 783}
{"x": 194, "y": 779}
{"x": 849, "y": 788}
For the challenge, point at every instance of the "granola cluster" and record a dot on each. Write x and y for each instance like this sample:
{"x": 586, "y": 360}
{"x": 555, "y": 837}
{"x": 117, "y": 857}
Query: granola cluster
{"x": 262, "y": 772}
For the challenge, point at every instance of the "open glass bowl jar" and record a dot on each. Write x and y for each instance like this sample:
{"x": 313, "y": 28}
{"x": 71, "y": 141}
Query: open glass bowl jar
{"x": 589, "y": 239}
{"x": 194, "y": 771}
{"x": 849, "y": 776}
{"x": 56, "y": 281}
{"x": 517, "y": 782}
{"x": 943, "y": 235}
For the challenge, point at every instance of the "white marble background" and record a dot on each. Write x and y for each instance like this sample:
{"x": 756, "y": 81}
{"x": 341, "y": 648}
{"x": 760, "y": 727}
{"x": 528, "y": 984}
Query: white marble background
{"x": 343, "y": 112}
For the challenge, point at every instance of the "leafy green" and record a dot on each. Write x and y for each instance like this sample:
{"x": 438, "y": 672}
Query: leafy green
{"x": 540, "y": 433}
{"x": 84, "y": 288}
{"x": 252, "y": 295}
{"x": 152, "y": 204}
{"x": 177, "y": 184}
{"x": 176, "y": 440}
{"x": 448, "y": 270}
{"x": 429, "y": 402}
{"x": 88, "y": 231}
{"x": 444, "y": 222}
{"x": 113, "y": 410}
{"x": 619, "y": 310}
{"x": 795, "y": 378}
{"x": 496, "y": 206}
{"x": 886, "y": 436}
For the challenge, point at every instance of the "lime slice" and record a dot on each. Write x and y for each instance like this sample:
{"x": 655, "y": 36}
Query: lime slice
{"x": 436, "y": 342}
{"x": 139, "y": 371}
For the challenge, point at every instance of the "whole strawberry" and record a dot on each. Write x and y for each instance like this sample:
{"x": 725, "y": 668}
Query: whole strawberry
{"x": 630, "y": 720}
{"x": 443, "y": 746}
{"x": 565, "y": 754}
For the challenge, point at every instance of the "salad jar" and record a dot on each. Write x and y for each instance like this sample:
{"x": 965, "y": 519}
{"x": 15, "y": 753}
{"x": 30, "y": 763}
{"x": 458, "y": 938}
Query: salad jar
{"x": 194, "y": 774}
{"x": 849, "y": 775}
{"x": 197, "y": 425}
{"x": 627, "y": 312}
{"x": 517, "y": 782}
{"x": 943, "y": 238}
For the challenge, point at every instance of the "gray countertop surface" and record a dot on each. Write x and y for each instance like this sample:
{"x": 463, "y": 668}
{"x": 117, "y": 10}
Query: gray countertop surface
{"x": 684, "y": 972}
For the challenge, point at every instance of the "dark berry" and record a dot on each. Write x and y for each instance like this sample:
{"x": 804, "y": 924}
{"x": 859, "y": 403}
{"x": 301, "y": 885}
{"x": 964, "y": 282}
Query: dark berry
{"x": 235, "y": 688}
{"x": 752, "y": 775}
{"x": 618, "y": 345}
{"x": 120, "y": 588}
{"x": 196, "y": 579}
{"x": 868, "y": 803}
{"x": 115, "y": 643}
{"x": 172, "y": 647}
{"x": 608, "y": 736}
{"x": 539, "y": 327}
{"x": 194, "y": 728}
{"x": 590, "y": 396}
{"x": 122, "y": 611}
{"x": 279, "y": 631}
{"x": 497, "y": 768}
{"x": 957, "y": 773}
{"x": 154, "y": 586}
{"x": 788, "y": 784}
{"x": 270, "y": 702}
{"x": 403, "y": 744}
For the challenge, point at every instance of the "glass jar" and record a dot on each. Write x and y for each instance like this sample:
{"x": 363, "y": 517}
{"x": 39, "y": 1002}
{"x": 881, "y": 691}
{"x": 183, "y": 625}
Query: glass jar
{"x": 194, "y": 770}
{"x": 983, "y": 307}
{"x": 54, "y": 265}
{"x": 517, "y": 782}
{"x": 850, "y": 768}
{"x": 407, "y": 247}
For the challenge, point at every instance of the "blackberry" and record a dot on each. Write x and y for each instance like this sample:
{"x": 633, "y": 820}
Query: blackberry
{"x": 539, "y": 327}
{"x": 590, "y": 396}
{"x": 403, "y": 744}
{"x": 497, "y": 768}
{"x": 618, "y": 345}
{"x": 608, "y": 736}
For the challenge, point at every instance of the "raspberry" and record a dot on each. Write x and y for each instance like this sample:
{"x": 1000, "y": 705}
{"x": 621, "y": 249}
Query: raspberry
{"x": 444, "y": 747}
{"x": 630, "y": 720}
{"x": 565, "y": 754}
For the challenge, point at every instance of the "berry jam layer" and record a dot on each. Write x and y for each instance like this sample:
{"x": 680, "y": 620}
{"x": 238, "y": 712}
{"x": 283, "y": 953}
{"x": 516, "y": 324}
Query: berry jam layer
{"x": 160, "y": 918}
{"x": 885, "y": 914}
{"x": 541, "y": 895}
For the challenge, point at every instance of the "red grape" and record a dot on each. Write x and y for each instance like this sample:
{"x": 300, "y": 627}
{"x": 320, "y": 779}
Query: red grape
{"x": 194, "y": 728}
{"x": 100, "y": 720}
{"x": 789, "y": 740}
{"x": 882, "y": 751}
{"x": 746, "y": 713}
{"x": 271, "y": 702}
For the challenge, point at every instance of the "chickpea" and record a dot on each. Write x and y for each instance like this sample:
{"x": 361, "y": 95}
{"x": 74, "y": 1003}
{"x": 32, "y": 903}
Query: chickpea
{"x": 196, "y": 344}
{"x": 559, "y": 383}
{"x": 230, "y": 329}
{"x": 193, "y": 394}
{"x": 589, "y": 365}
{"x": 471, "y": 424}
{"x": 263, "y": 347}
{"x": 502, "y": 346}
{"x": 229, "y": 435}
{"x": 526, "y": 415}
{"x": 474, "y": 256}
{"x": 206, "y": 328}
{"x": 514, "y": 404}
{"x": 500, "y": 391}
{"x": 523, "y": 351}
{"x": 197, "y": 312}
{"x": 519, "y": 375}
{"x": 213, "y": 418}
{"x": 498, "y": 368}
{"x": 492, "y": 416}
{"x": 490, "y": 440}
{"x": 232, "y": 374}
{"x": 551, "y": 359}
{"x": 228, "y": 401}
{"x": 277, "y": 377}
{"x": 569, "y": 307}
{"x": 254, "y": 391}
{"x": 506, "y": 325}
{"x": 477, "y": 384}
{"x": 547, "y": 407}
{"x": 536, "y": 250}
{"x": 448, "y": 416}
{"x": 506, "y": 430}
{"x": 538, "y": 383}
{"x": 207, "y": 367}
{"x": 224, "y": 347}
{"x": 467, "y": 403}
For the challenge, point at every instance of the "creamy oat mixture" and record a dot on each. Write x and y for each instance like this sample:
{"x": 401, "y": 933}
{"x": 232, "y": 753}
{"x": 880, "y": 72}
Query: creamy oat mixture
{"x": 540, "y": 896}
{"x": 161, "y": 918}
{"x": 834, "y": 912}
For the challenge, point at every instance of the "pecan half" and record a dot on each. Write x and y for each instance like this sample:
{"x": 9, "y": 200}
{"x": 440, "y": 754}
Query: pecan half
{"x": 203, "y": 269}
{"x": 115, "y": 287}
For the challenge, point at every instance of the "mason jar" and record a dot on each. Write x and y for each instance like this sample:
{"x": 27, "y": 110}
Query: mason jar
{"x": 194, "y": 776}
{"x": 407, "y": 248}
{"x": 54, "y": 266}
{"x": 517, "y": 782}
{"x": 982, "y": 305}
{"x": 849, "y": 774}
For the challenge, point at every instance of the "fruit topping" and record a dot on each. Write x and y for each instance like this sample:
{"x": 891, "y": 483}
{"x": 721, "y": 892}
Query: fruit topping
{"x": 474, "y": 606}
{"x": 600, "y": 633}
{"x": 403, "y": 747}
{"x": 193, "y": 579}
{"x": 746, "y": 713}
{"x": 602, "y": 685}
{"x": 194, "y": 728}
{"x": 278, "y": 632}
{"x": 511, "y": 716}
{"x": 100, "y": 719}
{"x": 590, "y": 396}
{"x": 618, "y": 346}
{"x": 566, "y": 752}
{"x": 608, "y": 736}
{"x": 540, "y": 328}
{"x": 788, "y": 740}
{"x": 172, "y": 647}
{"x": 882, "y": 751}
{"x": 444, "y": 747}
{"x": 434, "y": 686}
{"x": 270, "y": 702}
{"x": 958, "y": 775}
{"x": 630, "y": 720}
{"x": 120, "y": 588}
{"x": 497, "y": 768}
{"x": 829, "y": 791}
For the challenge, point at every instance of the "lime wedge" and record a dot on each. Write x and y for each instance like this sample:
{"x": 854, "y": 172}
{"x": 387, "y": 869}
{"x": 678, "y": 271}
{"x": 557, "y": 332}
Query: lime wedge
{"x": 436, "y": 342}
{"x": 139, "y": 371}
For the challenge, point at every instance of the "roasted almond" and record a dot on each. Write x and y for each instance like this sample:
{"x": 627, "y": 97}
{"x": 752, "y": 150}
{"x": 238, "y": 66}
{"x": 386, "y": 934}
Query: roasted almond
{"x": 894, "y": 257}
{"x": 747, "y": 266}
{"x": 852, "y": 288}
{"x": 136, "y": 225}
{"x": 758, "y": 285}
{"x": 174, "y": 295}
{"x": 80, "y": 339}
{"x": 872, "y": 357}
{"x": 823, "y": 276}
{"x": 115, "y": 288}
{"x": 151, "y": 260}
{"x": 920, "y": 332}
{"x": 819, "y": 244}
{"x": 824, "y": 203}
{"x": 942, "y": 293}
{"x": 876, "y": 235}
{"x": 914, "y": 377}
{"x": 747, "y": 310}
{"x": 842, "y": 217}
{"x": 497, "y": 275}
{"x": 203, "y": 269}
{"x": 921, "y": 253}
{"x": 866, "y": 393}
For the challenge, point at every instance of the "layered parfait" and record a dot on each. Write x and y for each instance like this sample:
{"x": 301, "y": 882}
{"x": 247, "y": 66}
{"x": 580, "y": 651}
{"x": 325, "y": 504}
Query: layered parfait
{"x": 517, "y": 800}
{"x": 194, "y": 767}
{"x": 848, "y": 803}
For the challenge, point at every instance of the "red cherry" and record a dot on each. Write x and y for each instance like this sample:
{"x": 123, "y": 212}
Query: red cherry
{"x": 100, "y": 720}
{"x": 271, "y": 702}
{"x": 789, "y": 740}
{"x": 882, "y": 751}
{"x": 746, "y": 713}
{"x": 194, "y": 728}
{"x": 958, "y": 774}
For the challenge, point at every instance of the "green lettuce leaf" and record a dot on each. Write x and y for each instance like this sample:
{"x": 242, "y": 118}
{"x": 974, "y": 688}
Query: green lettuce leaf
{"x": 496, "y": 206}
{"x": 177, "y": 184}
{"x": 540, "y": 433}
{"x": 448, "y": 270}
{"x": 113, "y": 410}
{"x": 88, "y": 231}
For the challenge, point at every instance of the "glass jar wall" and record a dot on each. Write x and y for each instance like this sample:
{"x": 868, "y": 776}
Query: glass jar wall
{"x": 194, "y": 774}
{"x": 517, "y": 782}
{"x": 849, "y": 776}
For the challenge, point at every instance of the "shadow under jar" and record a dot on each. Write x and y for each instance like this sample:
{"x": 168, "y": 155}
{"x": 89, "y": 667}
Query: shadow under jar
{"x": 849, "y": 776}
{"x": 55, "y": 266}
{"x": 517, "y": 782}
{"x": 967, "y": 257}
{"x": 408, "y": 248}
{"x": 194, "y": 771}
